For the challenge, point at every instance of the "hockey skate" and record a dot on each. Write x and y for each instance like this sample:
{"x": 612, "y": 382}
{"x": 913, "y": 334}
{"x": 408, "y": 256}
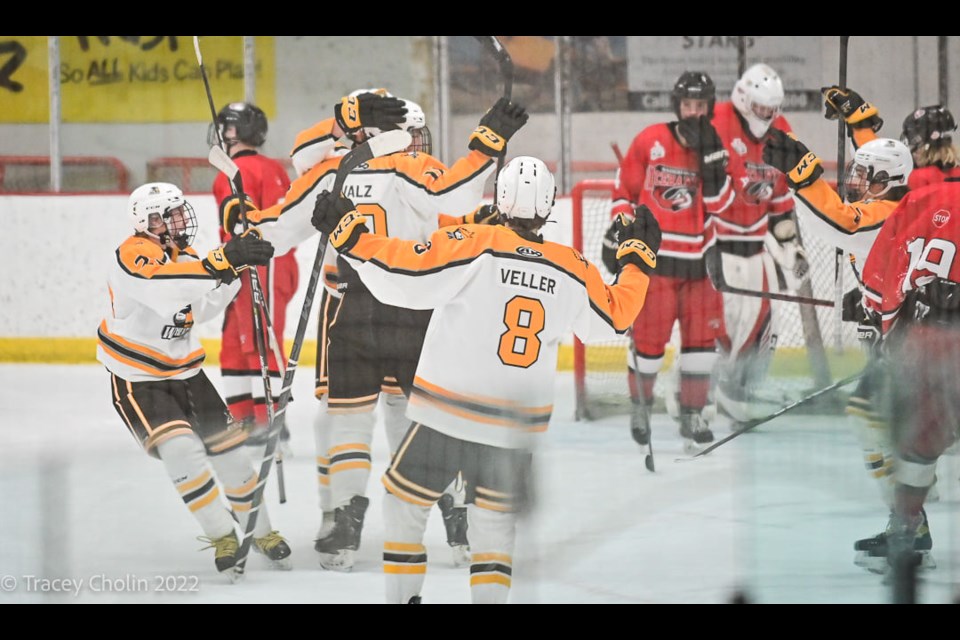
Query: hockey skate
{"x": 225, "y": 550}
{"x": 337, "y": 548}
{"x": 326, "y": 525}
{"x": 455, "y": 521}
{"x": 872, "y": 553}
{"x": 640, "y": 423}
{"x": 694, "y": 432}
{"x": 275, "y": 549}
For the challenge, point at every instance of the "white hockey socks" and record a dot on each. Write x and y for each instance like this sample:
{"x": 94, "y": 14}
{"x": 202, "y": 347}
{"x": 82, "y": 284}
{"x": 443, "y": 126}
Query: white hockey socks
{"x": 349, "y": 454}
{"x": 239, "y": 479}
{"x": 404, "y": 556}
{"x": 186, "y": 461}
{"x": 492, "y": 538}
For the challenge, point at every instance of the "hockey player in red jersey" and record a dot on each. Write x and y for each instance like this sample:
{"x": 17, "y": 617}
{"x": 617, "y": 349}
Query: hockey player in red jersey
{"x": 912, "y": 283}
{"x": 480, "y": 406}
{"x": 159, "y": 287}
{"x": 758, "y": 225}
{"x": 874, "y": 185}
{"x": 928, "y": 131}
{"x": 679, "y": 171}
{"x": 243, "y": 129}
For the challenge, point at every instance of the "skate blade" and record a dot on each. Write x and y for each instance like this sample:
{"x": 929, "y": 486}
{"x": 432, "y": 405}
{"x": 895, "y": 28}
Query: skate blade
{"x": 692, "y": 448}
{"x": 233, "y": 574}
{"x": 461, "y": 555}
{"x": 880, "y": 566}
{"x": 341, "y": 561}
{"x": 283, "y": 564}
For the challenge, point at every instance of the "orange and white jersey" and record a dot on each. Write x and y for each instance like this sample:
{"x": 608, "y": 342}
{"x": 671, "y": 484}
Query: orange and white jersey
{"x": 155, "y": 301}
{"x": 502, "y": 304}
{"x": 402, "y": 195}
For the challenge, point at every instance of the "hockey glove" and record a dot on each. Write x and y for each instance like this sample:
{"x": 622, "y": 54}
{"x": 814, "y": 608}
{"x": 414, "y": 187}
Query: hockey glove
{"x": 608, "y": 250}
{"x": 699, "y": 135}
{"x": 638, "y": 239}
{"x": 369, "y": 110}
{"x": 241, "y": 252}
{"x": 851, "y": 308}
{"x": 497, "y": 126}
{"x": 868, "y": 330}
{"x": 785, "y": 153}
{"x": 336, "y": 217}
{"x": 484, "y": 214}
{"x": 856, "y": 112}
{"x": 230, "y": 215}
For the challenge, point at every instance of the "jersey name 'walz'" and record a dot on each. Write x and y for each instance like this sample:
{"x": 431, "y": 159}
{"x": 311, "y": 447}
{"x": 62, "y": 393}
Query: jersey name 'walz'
{"x": 528, "y": 280}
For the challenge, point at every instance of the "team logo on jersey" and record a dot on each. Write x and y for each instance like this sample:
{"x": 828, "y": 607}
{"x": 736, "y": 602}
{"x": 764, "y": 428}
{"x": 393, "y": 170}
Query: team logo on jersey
{"x": 579, "y": 256}
{"x": 673, "y": 188}
{"x": 456, "y": 234}
{"x": 657, "y": 151}
{"x": 182, "y": 323}
{"x": 941, "y": 218}
{"x": 421, "y": 248}
{"x": 758, "y": 185}
{"x": 358, "y": 191}
{"x": 739, "y": 146}
{"x": 528, "y": 252}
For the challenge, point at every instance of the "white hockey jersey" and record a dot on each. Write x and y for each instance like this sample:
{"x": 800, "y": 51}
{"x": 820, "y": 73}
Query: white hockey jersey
{"x": 502, "y": 304}
{"x": 155, "y": 301}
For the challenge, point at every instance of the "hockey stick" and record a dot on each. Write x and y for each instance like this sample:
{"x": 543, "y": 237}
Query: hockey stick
{"x": 752, "y": 424}
{"x": 617, "y": 152}
{"x": 259, "y": 302}
{"x": 494, "y": 46}
{"x": 772, "y": 295}
{"x": 381, "y": 145}
{"x": 648, "y": 459}
{"x": 841, "y": 168}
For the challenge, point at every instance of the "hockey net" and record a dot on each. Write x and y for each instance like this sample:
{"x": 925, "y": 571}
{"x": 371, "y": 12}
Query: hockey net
{"x": 813, "y": 347}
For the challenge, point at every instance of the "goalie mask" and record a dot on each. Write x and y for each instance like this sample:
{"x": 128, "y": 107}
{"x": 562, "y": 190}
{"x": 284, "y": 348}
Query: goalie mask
{"x": 415, "y": 123}
{"x": 248, "y": 121}
{"x": 877, "y": 167}
{"x": 159, "y": 210}
{"x": 526, "y": 189}
{"x": 758, "y": 96}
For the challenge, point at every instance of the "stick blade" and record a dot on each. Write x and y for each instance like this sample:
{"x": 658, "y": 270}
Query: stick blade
{"x": 390, "y": 142}
{"x": 224, "y": 164}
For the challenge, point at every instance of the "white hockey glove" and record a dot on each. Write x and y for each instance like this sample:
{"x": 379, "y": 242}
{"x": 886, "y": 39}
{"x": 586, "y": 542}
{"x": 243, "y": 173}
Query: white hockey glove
{"x": 784, "y": 245}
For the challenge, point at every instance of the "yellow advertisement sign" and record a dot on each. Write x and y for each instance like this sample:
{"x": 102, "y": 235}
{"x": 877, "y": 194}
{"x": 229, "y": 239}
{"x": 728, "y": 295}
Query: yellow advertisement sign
{"x": 129, "y": 78}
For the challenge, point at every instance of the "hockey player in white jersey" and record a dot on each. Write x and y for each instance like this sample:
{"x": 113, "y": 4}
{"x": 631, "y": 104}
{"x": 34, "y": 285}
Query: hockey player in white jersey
{"x": 159, "y": 287}
{"x": 503, "y": 299}
{"x": 400, "y": 195}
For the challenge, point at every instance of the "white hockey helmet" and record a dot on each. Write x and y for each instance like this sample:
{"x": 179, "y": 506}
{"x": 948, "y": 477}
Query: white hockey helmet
{"x": 526, "y": 189}
{"x": 758, "y": 96}
{"x": 161, "y": 202}
{"x": 415, "y": 122}
{"x": 885, "y": 162}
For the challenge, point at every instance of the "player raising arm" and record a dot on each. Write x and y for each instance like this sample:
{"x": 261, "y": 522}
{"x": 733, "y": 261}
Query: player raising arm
{"x": 480, "y": 405}
{"x": 159, "y": 287}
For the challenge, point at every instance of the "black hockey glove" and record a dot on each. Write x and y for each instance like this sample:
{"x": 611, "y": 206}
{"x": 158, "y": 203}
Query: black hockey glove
{"x": 336, "y": 217}
{"x": 484, "y": 214}
{"x": 608, "y": 249}
{"x": 497, "y": 126}
{"x": 369, "y": 110}
{"x": 230, "y": 214}
{"x": 851, "y": 308}
{"x": 241, "y": 252}
{"x": 638, "y": 239}
{"x": 856, "y": 112}
{"x": 868, "y": 330}
{"x": 713, "y": 260}
{"x": 784, "y": 152}
{"x": 699, "y": 135}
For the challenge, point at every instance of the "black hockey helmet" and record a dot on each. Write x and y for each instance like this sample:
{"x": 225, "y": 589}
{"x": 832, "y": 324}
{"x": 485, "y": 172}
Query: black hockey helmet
{"x": 249, "y": 120}
{"x": 696, "y": 85}
{"x": 928, "y": 127}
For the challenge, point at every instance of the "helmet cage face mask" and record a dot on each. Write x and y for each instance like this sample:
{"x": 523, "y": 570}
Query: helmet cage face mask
{"x": 694, "y": 85}
{"x": 422, "y": 141}
{"x": 181, "y": 223}
{"x": 877, "y": 167}
{"x": 159, "y": 210}
{"x": 758, "y": 97}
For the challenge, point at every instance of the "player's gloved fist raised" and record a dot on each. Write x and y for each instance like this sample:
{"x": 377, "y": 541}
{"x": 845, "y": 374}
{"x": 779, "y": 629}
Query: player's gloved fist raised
{"x": 700, "y": 135}
{"x": 484, "y": 214}
{"x": 638, "y": 239}
{"x": 335, "y": 216}
{"x": 241, "y": 252}
{"x": 847, "y": 103}
{"x": 230, "y": 214}
{"x": 497, "y": 126}
{"x": 784, "y": 152}
{"x": 369, "y": 110}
